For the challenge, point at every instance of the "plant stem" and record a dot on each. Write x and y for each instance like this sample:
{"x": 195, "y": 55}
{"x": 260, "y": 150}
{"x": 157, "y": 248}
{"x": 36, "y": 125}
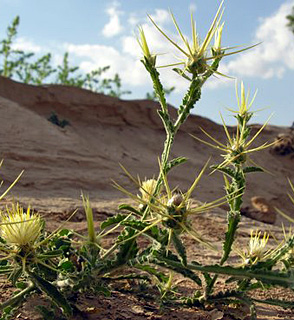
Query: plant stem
{"x": 283, "y": 279}
{"x": 17, "y": 297}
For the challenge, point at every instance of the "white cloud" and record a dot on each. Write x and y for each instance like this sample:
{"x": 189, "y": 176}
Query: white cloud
{"x": 126, "y": 61}
{"x": 95, "y": 56}
{"x": 274, "y": 55}
{"x": 133, "y": 19}
{"x": 157, "y": 45}
{"x": 113, "y": 26}
{"x": 26, "y": 45}
{"x": 161, "y": 16}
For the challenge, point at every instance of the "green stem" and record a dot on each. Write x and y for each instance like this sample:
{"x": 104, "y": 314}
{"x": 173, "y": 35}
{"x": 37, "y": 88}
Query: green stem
{"x": 234, "y": 194}
{"x": 192, "y": 96}
{"x": 283, "y": 279}
{"x": 16, "y": 298}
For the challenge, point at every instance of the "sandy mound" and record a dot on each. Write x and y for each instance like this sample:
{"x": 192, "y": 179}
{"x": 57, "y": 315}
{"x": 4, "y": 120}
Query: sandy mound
{"x": 104, "y": 132}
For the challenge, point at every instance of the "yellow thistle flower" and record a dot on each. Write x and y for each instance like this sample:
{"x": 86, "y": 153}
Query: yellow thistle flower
{"x": 196, "y": 54}
{"x": 257, "y": 245}
{"x": 256, "y": 250}
{"x": 147, "y": 189}
{"x": 20, "y": 228}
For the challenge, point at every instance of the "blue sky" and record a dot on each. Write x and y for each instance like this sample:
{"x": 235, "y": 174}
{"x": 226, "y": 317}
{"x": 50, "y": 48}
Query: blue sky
{"x": 100, "y": 33}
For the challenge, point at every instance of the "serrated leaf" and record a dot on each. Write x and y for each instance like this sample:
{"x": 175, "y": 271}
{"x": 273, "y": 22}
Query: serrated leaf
{"x": 129, "y": 208}
{"x": 180, "y": 248}
{"x": 169, "y": 127}
{"x": 128, "y": 249}
{"x": 181, "y": 73}
{"x": 283, "y": 279}
{"x": 174, "y": 162}
{"x": 50, "y": 254}
{"x": 159, "y": 275}
{"x": 281, "y": 303}
{"x": 112, "y": 220}
{"x": 252, "y": 169}
{"x": 50, "y": 290}
{"x": 228, "y": 171}
{"x": 153, "y": 232}
{"x": 233, "y": 221}
{"x": 172, "y": 262}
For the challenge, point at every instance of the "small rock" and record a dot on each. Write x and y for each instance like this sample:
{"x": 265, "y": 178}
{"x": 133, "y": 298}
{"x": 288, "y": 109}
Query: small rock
{"x": 284, "y": 144}
{"x": 137, "y": 310}
{"x": 262, "y": 210}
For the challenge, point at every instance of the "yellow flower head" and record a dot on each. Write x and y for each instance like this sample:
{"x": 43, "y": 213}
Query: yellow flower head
{"x": 147, "y": 189}
{"x": 256, "y": 249}
{"x": 20, "y": 228}
{"x": 257, "y": 245}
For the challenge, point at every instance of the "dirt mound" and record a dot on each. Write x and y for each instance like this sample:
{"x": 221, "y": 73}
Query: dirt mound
{"x": 103, "y": 132}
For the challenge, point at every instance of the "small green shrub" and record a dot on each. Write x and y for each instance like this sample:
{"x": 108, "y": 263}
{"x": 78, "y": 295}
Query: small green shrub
{"x": 19, "y": 65}
{"x": 55, "y": 120}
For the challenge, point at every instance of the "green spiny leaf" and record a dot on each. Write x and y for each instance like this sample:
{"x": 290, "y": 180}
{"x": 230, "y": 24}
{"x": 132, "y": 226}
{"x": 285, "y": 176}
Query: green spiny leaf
{"x": 153, "y": 232}
{"x": 233, "y": 221}
{"x": 128, "y": 249}
{"x": 181, "y": 73}
{"x": 174, "y": 162}
{"x": 252, "y": 169}
{"x": 159, "y": 275}
{"x": 129, "y": 208}
{"x": 180, "y": 248}
{"x": 172, "y": 262}
{"x": 112, "y": 220}
{"x": 50, "y": 254}
{"x": 49, "y": 289}
{"x": 275, "y": 302}
{"x": 228, "y": 171}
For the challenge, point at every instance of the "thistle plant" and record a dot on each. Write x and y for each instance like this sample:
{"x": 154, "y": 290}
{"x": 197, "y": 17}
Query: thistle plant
{"x": 28, "y": 258}
{"x": 62, "y": 263}
{"x": 237, "y": 162}
{"x": 198, "y": 67}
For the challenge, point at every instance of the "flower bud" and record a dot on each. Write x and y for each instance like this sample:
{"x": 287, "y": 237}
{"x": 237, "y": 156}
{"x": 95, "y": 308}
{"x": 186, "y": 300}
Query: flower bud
{"x": 218, "y": 39}
{"x": 175, "y": 200}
